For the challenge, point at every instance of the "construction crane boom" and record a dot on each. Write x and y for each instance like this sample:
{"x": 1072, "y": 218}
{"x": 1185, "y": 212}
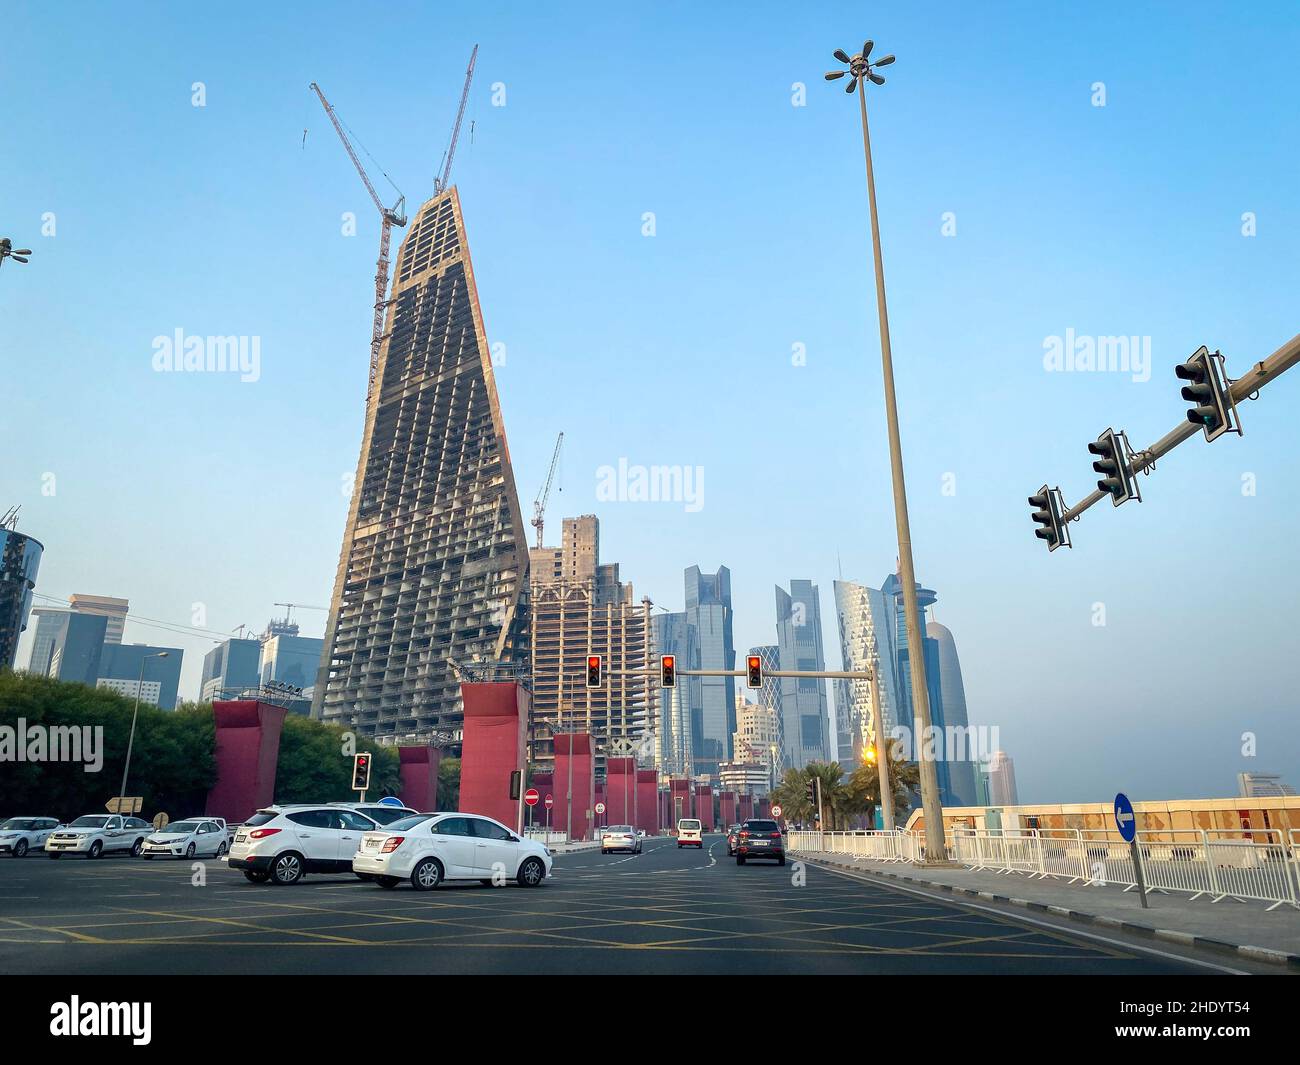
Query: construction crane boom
{"x": 301, "y": 606}
{"x": 389, "y": 217}
{"x": 441, "y": 182}
{"x": 539, "y": 504}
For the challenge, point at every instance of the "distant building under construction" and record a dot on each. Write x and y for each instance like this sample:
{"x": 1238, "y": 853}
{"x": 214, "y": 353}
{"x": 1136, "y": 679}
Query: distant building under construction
{"x": 433, "y": 571}
{"x": 580, "y": 607}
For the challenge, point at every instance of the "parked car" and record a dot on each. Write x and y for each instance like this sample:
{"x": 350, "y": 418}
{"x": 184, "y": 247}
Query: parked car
{"x": 378, "y": 812}
{"x": 619, "y": 838}
{"x": 281, "y": 844}
{"x": 760, "y": 838}
{"x": 191, "y": 838}
{"x": 18, "y": 835}
{"x": 733, "y": 832}
{"x": 689, "y": 833}
{"x": 427, "y": 849}
{"x": 97, "y": 834}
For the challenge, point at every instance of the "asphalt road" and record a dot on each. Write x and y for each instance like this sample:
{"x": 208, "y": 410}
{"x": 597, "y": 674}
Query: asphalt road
{"x": 664, "y": 911}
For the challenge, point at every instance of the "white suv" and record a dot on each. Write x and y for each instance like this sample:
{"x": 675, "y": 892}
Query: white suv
{"x": 282, "y": 843}
{"x": 97, "y": 834}
{"x": 19, "y": 834}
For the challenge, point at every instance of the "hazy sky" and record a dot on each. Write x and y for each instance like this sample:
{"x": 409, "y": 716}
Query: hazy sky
{"x": 740, "y": 338}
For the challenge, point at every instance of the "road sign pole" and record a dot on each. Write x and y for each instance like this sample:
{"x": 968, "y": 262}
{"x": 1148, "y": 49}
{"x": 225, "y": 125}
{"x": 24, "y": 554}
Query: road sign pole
{"x": 1136, "y": 851}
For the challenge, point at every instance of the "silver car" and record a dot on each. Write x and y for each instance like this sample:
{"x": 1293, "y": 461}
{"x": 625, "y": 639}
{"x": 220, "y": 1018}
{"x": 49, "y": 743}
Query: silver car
{"x": 191, "y": 838}
{"x": 619, "y": 838}
{"x": 19, "y": 835}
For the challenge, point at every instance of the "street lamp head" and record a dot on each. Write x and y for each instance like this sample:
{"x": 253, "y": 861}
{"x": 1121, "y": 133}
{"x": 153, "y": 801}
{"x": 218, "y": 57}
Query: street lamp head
{"x": 860, "y": 67}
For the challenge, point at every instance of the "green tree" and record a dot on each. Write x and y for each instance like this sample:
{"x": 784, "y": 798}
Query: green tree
{"x": 864, "y": 785}
{"x": 315, "y": 764}
{"x": 837, "y": 802}
{"x": 449, "y": 784}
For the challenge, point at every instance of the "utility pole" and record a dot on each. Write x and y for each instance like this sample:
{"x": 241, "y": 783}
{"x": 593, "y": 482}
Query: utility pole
{"x": 861, "y": 70}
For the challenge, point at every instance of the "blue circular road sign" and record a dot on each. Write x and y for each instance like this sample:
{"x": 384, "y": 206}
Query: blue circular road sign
{"x": 1125, "y": 819}
{"x": 389, "y": 800}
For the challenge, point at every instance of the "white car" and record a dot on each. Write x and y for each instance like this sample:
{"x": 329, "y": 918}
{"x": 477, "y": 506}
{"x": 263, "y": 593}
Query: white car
{"x": 190, "y": 838}
{"x": 689, "y": 833}
{"x": 378, "y": 812}
{"x": 619, "y": 838}
{"x": 282, "y": 843}
{"x": 18, "y": 835}
{"x": 98, "y": 834}
{"x": 429, "y": 848}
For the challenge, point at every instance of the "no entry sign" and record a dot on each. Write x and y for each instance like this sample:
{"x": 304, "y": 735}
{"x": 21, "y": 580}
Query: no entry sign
{"x": 531, "y": 797}
{"x": 550, "y": 801}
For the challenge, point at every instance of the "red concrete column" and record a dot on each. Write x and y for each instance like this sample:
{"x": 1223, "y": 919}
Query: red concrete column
{"x": 493, "y": 748}
{"x": 765, "y": 807}
{"x": 647, "y": 801}
{"x": 247, "y": 750}
{"x": 745, "y": 809}
{"x": 727, "y": 808}
{"x": 704, "y": 806}
{"x": 574, "y": 748}
{"x": 419, "y": 770}
{"x": 679, "y": 801}
{"x": 620, "y": 791}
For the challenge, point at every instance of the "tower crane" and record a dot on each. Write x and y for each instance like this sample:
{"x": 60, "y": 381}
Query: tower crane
{"x": 539, "y": 504}
{"x": 441, "y": 182}
{"x": 288, "y": 608}
{"x": 389, "y": 217}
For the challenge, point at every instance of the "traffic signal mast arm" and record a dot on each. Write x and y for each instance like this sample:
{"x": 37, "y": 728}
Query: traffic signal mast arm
{"x": 1256, "y": 378}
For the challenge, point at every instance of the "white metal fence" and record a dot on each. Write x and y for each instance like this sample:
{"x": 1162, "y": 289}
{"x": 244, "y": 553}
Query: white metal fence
{"x": 1255, "y": 864}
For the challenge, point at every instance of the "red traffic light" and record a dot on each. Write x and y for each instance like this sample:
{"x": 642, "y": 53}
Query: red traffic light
{"x": 668, "y": 671}
{"x": 754, "y": 671}
{"x": 593, "y": 671}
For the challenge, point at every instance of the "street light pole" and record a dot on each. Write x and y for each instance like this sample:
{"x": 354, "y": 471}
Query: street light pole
{"x": 861, "y": 70}
{"x": 882, "y": 753}
{"x": 130, "y": 743}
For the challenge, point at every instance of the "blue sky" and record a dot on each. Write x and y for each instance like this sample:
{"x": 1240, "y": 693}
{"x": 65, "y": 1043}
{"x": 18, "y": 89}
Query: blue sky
{"x": 676, "y": 349}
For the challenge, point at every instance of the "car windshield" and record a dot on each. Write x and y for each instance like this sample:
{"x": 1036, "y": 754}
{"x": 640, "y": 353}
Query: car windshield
{"x": 21, "y": 824}
{"x": 261, "y": 818}
{"x": 90, "y": 822}
{"x": 404, "y": 823}
{"x": 622, "y": 830}
{"x": 179, "y": 828}
{"x": 689, "y": 826}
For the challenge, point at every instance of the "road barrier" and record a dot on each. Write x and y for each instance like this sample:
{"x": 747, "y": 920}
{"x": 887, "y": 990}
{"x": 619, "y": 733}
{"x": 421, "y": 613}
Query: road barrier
{"x": 1247, "y": 864}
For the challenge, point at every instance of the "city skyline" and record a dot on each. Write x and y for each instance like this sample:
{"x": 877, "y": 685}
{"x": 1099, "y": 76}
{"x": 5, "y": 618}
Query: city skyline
{"x": 1027, "y": 624}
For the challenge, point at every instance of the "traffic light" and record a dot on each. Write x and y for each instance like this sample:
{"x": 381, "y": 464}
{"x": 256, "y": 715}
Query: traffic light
{"x": 1048, "y": 508}
{"x": 1112, "y": 463}
{"x": 516, "y": 784}
{"x": 594, "y": 678}
{"x": 361, "y": 772}
{"x": 1209, "y": 393}
{"x": 812, "y": 792}
{"x": 754, "y": 671}
{"x": 667, "y": 671}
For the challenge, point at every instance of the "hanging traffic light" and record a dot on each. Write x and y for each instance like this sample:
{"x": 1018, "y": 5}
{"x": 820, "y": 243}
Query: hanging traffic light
{"x": 1209, "y": 393}
{"x": 516, "y": 783}
{"x": 594, "y": 678}
{"x": 361, "y": 772}
{"x": 1048, "y": 509}
{"x": 667, "y": 671}
{"x": 1112, "y": 463}
{"x": 753, "y": 671}
{"x": 812, "y": 792}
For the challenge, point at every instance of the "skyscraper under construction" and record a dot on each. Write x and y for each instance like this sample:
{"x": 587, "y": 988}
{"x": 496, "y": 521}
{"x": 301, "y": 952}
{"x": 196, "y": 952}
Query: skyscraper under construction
{"x": 433, "y": 573}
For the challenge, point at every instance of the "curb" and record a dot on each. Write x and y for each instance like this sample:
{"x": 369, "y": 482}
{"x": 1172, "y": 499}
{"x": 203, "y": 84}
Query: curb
{"x": 1186, "y": 939}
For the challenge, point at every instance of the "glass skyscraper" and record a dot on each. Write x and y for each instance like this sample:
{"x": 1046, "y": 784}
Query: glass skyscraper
{"x": 804, "y": 707}
{"x": 20, "y": 558}
{"x": 712, "y": 700}
{"x": 867, "y": 636}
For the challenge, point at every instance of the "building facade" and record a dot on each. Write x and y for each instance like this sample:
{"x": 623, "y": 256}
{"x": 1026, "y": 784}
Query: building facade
{"x": 1002, "y": 780}
{"x": 49, "y": 622}
{"x": 804, "y": 708}
{"x": 20, "y": 559}
{"x": 115, "y": 610}
{"x": 292, "y": 660}
{"x": 867, "y": 641}
{"x": 234, "y": 666}
{"x": 433, "y": 572}
{"x": 1262, "y": 785}
{"x": 673, "y": 636}
{"x": 712, "y": 700}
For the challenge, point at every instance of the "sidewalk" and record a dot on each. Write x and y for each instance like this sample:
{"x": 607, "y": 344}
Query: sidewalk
{"x": 571, "y": 848}
{"x": 1243, "y": 928}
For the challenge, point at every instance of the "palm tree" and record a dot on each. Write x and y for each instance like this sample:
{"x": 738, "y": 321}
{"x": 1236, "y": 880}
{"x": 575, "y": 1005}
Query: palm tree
{"x": 864, "y": 784}
{"x": 837, "y": 803}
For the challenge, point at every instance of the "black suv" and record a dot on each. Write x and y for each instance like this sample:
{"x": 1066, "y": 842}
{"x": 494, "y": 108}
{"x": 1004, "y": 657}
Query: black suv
{"x": 760, "y": 838}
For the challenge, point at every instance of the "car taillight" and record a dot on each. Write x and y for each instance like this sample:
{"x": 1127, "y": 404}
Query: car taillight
{"x": 262, "y": 833}
{"x": 391, "y": 844}
{"x": 776, "y": 835}
{"x": 744, "y": 835}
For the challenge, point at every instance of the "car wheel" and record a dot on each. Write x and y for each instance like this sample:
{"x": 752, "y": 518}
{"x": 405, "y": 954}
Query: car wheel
{"x": 137, "y": 847}
{"x": 740, "y": 859}
{"x": 20, "y": 849}
{"x": 532, "y": 872}
{"x": 255, "y": 876}
{"x": 96, "y": 849}
{"x": 286, "y": 869}
{"x": 388, "y": 883}
{"x": 189, "y": 851}
{"x": 427, "y": 875}
{"x": 221, "y": 850}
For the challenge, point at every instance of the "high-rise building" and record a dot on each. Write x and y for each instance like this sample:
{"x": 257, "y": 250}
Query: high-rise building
{"x": 1262, "y": 786}
{"x": 49, "y": 623}
{"x": 770, "y": 694}
{"x": 113, "y": 609}
{"x": 962, "y": 763}
{"x": 234, "y": 666}
{"x": 293, "y": 660}
{"x": 673, "y": 636}
{"x": 20, "y": 558}
{"x": 804, "y": 708}
{"x": 1002, "y": 780}
{"x": 712, "y": 700}
{"x": 78, "y": 648}
{"x": 433, "y": 571}
{"x": 867, "y": 637}
{"x": 126, "y": 668}
{"x": 580, "y": 607}
{"x": 757, "y": 738}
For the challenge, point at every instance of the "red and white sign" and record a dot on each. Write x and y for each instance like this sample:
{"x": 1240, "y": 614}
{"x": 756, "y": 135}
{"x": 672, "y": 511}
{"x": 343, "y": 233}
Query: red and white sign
{"x": 600, "y": 807}
{"x": 531, "y": 797}
{"x": 550, "y": 801}
{"x": 776, "y": 811}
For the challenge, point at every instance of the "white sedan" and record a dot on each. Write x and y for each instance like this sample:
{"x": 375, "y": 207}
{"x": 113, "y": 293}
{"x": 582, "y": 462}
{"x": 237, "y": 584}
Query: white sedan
{"x": 427, "y": 849}
{"x": 619, "y": 838}
{"x": 18, "y": 835}
{"x": 191, "y": 838}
